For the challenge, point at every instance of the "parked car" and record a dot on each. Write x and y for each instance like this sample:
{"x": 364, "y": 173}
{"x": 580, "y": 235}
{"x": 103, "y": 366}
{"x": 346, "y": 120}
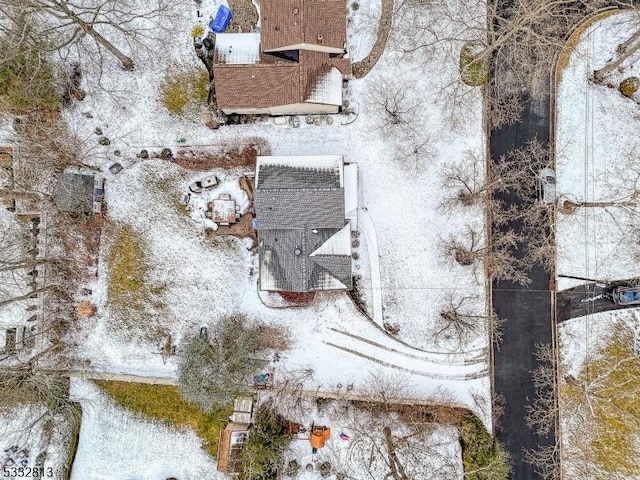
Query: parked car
{"x": 115, "y": 168}
{"x": 626, "y": 295}
{"x": 209, "y": 182}
{"x": 546, "y": 185}
{"x": 195, "y": 187}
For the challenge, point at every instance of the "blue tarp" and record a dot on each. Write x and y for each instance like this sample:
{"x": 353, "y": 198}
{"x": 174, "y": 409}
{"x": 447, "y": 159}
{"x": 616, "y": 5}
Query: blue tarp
{"x": 222, "y": 20}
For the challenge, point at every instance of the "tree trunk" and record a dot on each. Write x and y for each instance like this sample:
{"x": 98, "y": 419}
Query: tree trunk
{"x": 127, "y": 63}
{"x": 397, "y": 470}
{"x": 627, "y": 49}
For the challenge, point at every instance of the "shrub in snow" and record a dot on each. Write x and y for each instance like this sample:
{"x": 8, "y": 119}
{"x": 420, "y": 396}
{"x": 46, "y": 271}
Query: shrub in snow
{"x": 629, "y": 86}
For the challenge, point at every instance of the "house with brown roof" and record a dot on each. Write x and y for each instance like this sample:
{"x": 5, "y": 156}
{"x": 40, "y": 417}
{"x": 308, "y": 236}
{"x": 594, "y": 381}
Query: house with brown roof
{"x": 294, "y": 64}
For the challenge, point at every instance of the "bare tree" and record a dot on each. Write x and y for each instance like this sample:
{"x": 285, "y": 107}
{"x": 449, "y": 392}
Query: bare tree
{"x": 542, "y": 414}
{"x": 518, "y": 40}
{"x": 625, "y": 50}
{"x": 110, "y": 24}
{"x": 470, "y": 182}
{"x": 460, "y": 320}
{"x": 394, "y": 439}
{"x": 393, "y": 100}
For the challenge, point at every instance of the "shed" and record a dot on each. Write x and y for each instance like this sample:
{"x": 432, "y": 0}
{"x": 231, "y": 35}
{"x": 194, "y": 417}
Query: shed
{"x": 319, "y": 436}
{"x": 232, "y": 439}
{"x": 79, "y": 193}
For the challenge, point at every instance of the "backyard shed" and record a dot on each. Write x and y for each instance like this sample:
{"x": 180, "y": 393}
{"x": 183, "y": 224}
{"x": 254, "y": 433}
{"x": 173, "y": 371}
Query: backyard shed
{"x": 242, "y": 410}
{"x": 79, "y": 193}
{"x": 232, "y": 439}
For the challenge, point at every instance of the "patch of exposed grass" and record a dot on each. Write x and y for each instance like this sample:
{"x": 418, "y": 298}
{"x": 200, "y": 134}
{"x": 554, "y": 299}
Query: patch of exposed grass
{"x": 128, "y": 270}
{"x": 472, "y": 72}
{"x": 136, "y": 302}
{"x": 164, "y": 403}
{"x": 615, "y": 384}
{"x": 183, "y": 86}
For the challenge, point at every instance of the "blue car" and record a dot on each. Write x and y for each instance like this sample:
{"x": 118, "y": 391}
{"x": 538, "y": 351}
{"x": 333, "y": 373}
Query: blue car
{"x": 626, "y": 295}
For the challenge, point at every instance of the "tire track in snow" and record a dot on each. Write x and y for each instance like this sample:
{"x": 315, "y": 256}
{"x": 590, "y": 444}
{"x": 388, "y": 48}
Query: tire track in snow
{"x": 480, "y": 355}
{"x": 438, "y": 376}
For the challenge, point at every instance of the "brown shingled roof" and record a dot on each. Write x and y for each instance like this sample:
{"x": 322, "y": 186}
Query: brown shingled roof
{"x": 291, "y": 22}
{"x": 257, "y": 86}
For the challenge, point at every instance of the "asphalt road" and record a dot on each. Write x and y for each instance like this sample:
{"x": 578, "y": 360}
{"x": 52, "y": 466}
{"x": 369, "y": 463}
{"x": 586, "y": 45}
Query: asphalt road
{"x": 527, "y": 311}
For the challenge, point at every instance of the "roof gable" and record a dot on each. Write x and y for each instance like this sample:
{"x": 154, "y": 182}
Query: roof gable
{"x": 288, "y": 23}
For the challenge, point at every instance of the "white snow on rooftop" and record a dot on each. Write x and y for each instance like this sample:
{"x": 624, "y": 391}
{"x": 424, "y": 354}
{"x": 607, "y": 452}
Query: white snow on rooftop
{"x": 338, "y": 244}
{"x": 333, "y": 162}
{"x": 328, "y": 88}
{"x": 238, "y": 48}
{"x": 350, "y": 173}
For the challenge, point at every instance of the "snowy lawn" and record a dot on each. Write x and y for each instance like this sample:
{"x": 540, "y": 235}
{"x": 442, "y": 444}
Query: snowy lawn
{"x": 596, "y": 144}
{"x": 116, "y": 444}
{"x": 357, "y": 447}
{"x": 31, "y": 443}
{"x": 192, "y": 281}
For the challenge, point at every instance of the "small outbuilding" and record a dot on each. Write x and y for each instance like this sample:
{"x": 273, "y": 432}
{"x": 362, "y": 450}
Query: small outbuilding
{"x": 80, "y": 193}
{"x": 232, "y": 439}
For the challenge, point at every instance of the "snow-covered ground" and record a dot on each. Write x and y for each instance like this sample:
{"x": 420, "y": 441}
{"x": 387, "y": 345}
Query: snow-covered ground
{"x": 201, "y": 282}
{"x": 596, "y": 140}
{"x": 24, "y": 445}
{"x": 357, "y": 449}
{"x": 14, "y": 281}
{"x": 116, "y": 444}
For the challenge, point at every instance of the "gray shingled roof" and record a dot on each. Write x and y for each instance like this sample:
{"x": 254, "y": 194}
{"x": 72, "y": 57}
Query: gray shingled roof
{"x": 318, "y": 208}
{"x": 75, "y": 193}
{"x": 298, "y": 272}
{"x": 279, "y": 177}
{"x": 297, "y": 210}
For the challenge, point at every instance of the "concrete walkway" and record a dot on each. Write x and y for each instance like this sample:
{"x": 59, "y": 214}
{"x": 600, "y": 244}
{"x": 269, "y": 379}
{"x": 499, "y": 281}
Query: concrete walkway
{"x": 338, "y": 394}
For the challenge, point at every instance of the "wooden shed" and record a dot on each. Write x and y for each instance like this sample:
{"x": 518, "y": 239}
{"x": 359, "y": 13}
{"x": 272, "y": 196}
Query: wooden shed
{"x": 232, "y": 439}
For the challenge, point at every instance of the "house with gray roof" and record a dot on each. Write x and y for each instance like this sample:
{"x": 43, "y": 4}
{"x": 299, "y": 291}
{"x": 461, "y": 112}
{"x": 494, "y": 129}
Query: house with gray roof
{"x": 79, "y": 193}
{"x": 304, "y": 222}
